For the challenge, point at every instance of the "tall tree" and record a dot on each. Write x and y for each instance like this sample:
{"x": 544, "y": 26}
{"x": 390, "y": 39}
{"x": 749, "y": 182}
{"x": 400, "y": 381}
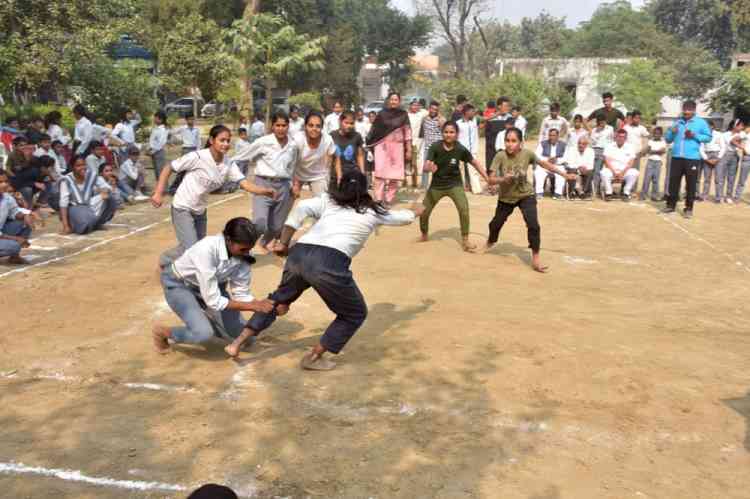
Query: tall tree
{"x": 272, "y": 49}
{"x": 454, "y": 18}
{"x": 543, "y": 36}
{"x": 641, "y": 85}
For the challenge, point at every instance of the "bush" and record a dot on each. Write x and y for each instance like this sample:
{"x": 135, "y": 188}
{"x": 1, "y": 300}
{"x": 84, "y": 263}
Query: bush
{"x": 26, "y": 112}
{"x": 307, "y": 100}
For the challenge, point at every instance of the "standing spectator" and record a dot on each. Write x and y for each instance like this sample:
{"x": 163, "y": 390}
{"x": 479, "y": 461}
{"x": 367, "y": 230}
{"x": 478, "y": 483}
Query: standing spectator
{"x": 190, "y": 137}
{"x": 124, "y": 131}
{"x": 468, "y": 136}
{"x": 157, "y": 143}
{"x": 613, "y": 117}
{"x": 726, "y": 170}
{"x": 333, "y": 120}
{"x": 656, "y": 151}
{"x": 84, "y": 131}
{"x": 493, "y": 126}
{"x": 744, "y": 170}
{"x": 686, "y": 135}
{"x": 551, "y": 151}
{"x": 362, "y": 124}
{"x": 458, "y": 111}
{"x": 391, "y": 137}
{"x": 618, "y": 162}
{"x": 711, "y": 154}
{"x": 431, "y": 133}
{"x": 553, "y": 122}
{"x": 296, "y": 122}
{"x": 601, "y": 137}
{"x": 416, "y": 115}
{"x": 258, "y": 128}
{"x": 577, "y": 132}
{"x": 519, "y": 120}
{"x": 637, "y": 133}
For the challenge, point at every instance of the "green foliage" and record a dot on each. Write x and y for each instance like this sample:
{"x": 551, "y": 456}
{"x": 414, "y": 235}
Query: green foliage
{"x": 733, "y": 93}
{"x": 543, "y": 35}
{"x": 106, "y": 87}
{"x": 638, "y": 85}
{"x": 193, "y": 54}
{"x": 309, "y": 100}
{"x": 26, "y": 112}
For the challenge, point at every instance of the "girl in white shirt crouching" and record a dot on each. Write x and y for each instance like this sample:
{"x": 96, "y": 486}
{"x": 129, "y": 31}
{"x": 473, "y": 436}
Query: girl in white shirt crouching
{"x": 345, "y": 219}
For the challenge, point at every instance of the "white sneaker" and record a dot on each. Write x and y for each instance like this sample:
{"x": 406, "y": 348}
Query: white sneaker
{"x": 729, "y": 201}
{"x": 140, "y": 197}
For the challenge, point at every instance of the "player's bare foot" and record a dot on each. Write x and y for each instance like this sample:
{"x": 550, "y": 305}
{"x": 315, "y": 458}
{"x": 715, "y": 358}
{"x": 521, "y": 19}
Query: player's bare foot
{"x": 488, "y": 246}
{"x": 17, "y": 260}
{"x": 536, "y": 264}
{"x": 468, "y": 246}
{"x": 423, "y": 238}
{"x": 233, "y": 349}
{"x": 160, "y": 335}
{"x": 316, "y": 362}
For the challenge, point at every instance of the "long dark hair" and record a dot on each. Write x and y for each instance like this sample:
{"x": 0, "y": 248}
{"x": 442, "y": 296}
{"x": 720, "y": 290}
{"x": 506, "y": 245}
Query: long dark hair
{"x": 352, "y": 193}
{"x": 215, "y": 131}
{"x": 52, "y": 118}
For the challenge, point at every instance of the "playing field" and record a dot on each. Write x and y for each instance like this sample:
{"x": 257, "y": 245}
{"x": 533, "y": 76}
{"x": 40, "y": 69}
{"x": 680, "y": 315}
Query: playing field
{"x": 621, "y": 373}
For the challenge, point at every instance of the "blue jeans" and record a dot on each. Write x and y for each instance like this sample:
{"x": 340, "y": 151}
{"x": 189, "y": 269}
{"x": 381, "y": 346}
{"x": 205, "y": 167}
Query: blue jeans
{"x": 201, "y": 323}
{"x": 651, "y": 179}
{"x": 326, "y": 270}
{"x": 14, "y": 228}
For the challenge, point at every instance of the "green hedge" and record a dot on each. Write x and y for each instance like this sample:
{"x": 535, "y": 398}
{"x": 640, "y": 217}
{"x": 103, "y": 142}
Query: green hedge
{"x": 26, "y": 112}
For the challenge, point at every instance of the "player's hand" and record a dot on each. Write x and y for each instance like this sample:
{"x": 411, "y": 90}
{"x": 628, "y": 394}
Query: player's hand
{"x": 280, "y": 249}
{"x": 689, "y": 134}
{"x": 270, "y": 193}
{"x": 418, "y": 209}
{"x": 65, "y": 231}
{"x": 430, "y": 167}
{"x": 156, "y": 200}
{"x": 265, "y": 306}
{"x": 571, "y": 176}
{"x": 282, "y": 309}
{"x": 296, "y": 190}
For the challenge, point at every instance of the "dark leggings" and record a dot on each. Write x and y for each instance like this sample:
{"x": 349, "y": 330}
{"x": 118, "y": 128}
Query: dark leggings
{"x": 527, "y": 206}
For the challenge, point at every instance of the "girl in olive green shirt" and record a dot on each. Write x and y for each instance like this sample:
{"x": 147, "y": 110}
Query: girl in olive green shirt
{"x": 509, "y": 171}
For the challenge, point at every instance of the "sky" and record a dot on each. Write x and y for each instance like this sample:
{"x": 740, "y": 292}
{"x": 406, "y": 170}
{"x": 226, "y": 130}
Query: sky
{"x": 513, "y": 10}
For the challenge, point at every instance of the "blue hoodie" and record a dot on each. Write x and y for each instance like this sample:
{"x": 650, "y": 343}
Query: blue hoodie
{"x": 688, "y": 148}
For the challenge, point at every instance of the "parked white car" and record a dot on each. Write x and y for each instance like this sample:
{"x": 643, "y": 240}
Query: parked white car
{"x": 376, "y": 106}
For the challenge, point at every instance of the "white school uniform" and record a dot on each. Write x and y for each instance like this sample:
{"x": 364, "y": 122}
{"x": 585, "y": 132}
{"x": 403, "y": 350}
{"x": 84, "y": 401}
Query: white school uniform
{"x": 340, "y": 228}
{"x": 240, "y": 145}
{"x": 600, "y": 139}
{"x": 550, "y": 123}
{"x": 331, "y": 123}
{"x": 715, "y": 146}
{"x": 158, "y": 139}
{"x": 656, "y": 146}
{"x": 56, "y": 132}
{"x": 500, "y": 141}
{"x": 9, "y": 209}
{"x": 296, "y": 126}
{"x": 257, "y": 130}
{"x": 94, "y": 162}
{"x": 272, "y": 159}
{"x": 100, "y": 133}
{"x": 84, "y": 134}
{"x": 468, "y": 136}
{"x": 189, "y": 137}
{"x": 203, "y": 175}
{"x": 314, "y": 165}
{"x": 619, "y": 157}
{"x": 125, "y": 131}
{"x": 363, "y": 128}
{"x": 208, "y": 263}
{"x": 636, "y": 135}
{"x": 128, "y": 170}
{"x": 71, "y": 198}
{"x": 521, "y": 123}
{"x": 59, "y": 169}
{"x": 574, "y": 136}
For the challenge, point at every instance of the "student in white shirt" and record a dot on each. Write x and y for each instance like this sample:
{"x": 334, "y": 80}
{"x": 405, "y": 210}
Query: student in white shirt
{"x": 579, "y": 159}
{"x": 157, "y": 143}
{"x": 83, "y": 131}
{"x": 258, "y": 128}
{"x": 15, "y": 224}
{"x": 416, "y": 115}
{"x": 100, "y": 132}
{"x": 552, "y": 151}
{"x": 711, "y": 154}
{"x": 276, "y": 156}
{"x": 332, "y": 120}
{"x": 321, "y": 259}
{"x": 656, "y": 151}
{"x": 124, "y": 131}
{"x": 553, "y": 122}
{"x": 86, "y": 201}
{"x": 190, "y": 138}
{"x": 240, "y": 145}
{"x": 54, "y": 130}
{"x": 637, "y": 133}
{"x": 618, "y": 162}
{"x": 726, "y": 170}
{"x": 130, "y": 179}
{"x": 61, "y": 165}
{"x": 468, "y": 136}
{"x": 206, "y": 171}
{"x": 296, "y": 122}
{"x": 602, "y": 135}
{"x": 362, "y": 124}
{"x": 209, "y": 286}
{"x": 519, "y": 120}
{"x": 575, "y": 133}
{"x": 96, "y": 159}
{"x": 316, "y": 150}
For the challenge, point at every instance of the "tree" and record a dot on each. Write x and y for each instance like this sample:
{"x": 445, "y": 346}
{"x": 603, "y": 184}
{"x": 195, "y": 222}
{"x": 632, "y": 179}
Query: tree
{"x": 193, "y": 55}
{"x": 272, "y": 49}
{"x": 543, "y": 36}
{"x": 641, "y": 85}
{"x": 733, "y": 94}
{"x": 454, "y": 18}
{"x": 491, "y": 41}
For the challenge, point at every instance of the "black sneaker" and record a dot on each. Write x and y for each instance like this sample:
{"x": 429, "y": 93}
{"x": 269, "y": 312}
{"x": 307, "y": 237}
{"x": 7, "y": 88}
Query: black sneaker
{"x": 667, "y": 210}
{"x": 687, "y": 213}
{"x": 625, "y": 198}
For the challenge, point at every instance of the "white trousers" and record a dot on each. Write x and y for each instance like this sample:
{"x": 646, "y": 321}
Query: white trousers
{"x": 540, "y": 176}
{"x": 631, "y": 177}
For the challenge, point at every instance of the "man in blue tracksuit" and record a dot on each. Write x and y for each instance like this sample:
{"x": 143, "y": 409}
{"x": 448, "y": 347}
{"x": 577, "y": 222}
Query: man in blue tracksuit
{"x": 686, "y": 136}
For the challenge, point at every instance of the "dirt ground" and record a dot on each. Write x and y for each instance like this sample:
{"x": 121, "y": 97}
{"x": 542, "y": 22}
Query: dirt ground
{"x": 622, "y": 373}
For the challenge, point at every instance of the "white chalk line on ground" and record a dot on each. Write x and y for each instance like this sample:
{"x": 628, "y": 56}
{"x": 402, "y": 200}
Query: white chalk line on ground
{"x": 716, "y": 249}
{"x": 13, "y": 468}
{"x": 64, "y": 378}
{"x": 106, "y": 241}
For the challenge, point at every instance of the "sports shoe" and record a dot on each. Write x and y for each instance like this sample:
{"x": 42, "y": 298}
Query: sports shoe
{"x": 667, "y": 210}
{"x": 539, "y": 197}
{"x": 687, "y": 213}
{"x": 729, "y": 201}
{"x": 557, "y": 197}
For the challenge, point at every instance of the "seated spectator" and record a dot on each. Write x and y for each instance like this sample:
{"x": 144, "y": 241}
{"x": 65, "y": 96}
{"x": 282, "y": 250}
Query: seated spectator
{"x": 86, "y": 203}
{"x": 107, "y": 172}
{"x": 580, "y": 160}
{"x": 61, "y": 164}
{"x": 35, "y": 179}
{"x": 551, "y": 150}
{"x": 96, "y": 158}
{"x": 21, "y": 156}
{"x": 130, "y": 179}
{"x": 15, "y": 224}
{"x": 618, "y": 166}
{"x": 35, "y": 130}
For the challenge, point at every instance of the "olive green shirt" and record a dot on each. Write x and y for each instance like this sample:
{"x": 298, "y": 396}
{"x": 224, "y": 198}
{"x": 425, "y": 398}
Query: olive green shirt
{"x": 518, "y": 165}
